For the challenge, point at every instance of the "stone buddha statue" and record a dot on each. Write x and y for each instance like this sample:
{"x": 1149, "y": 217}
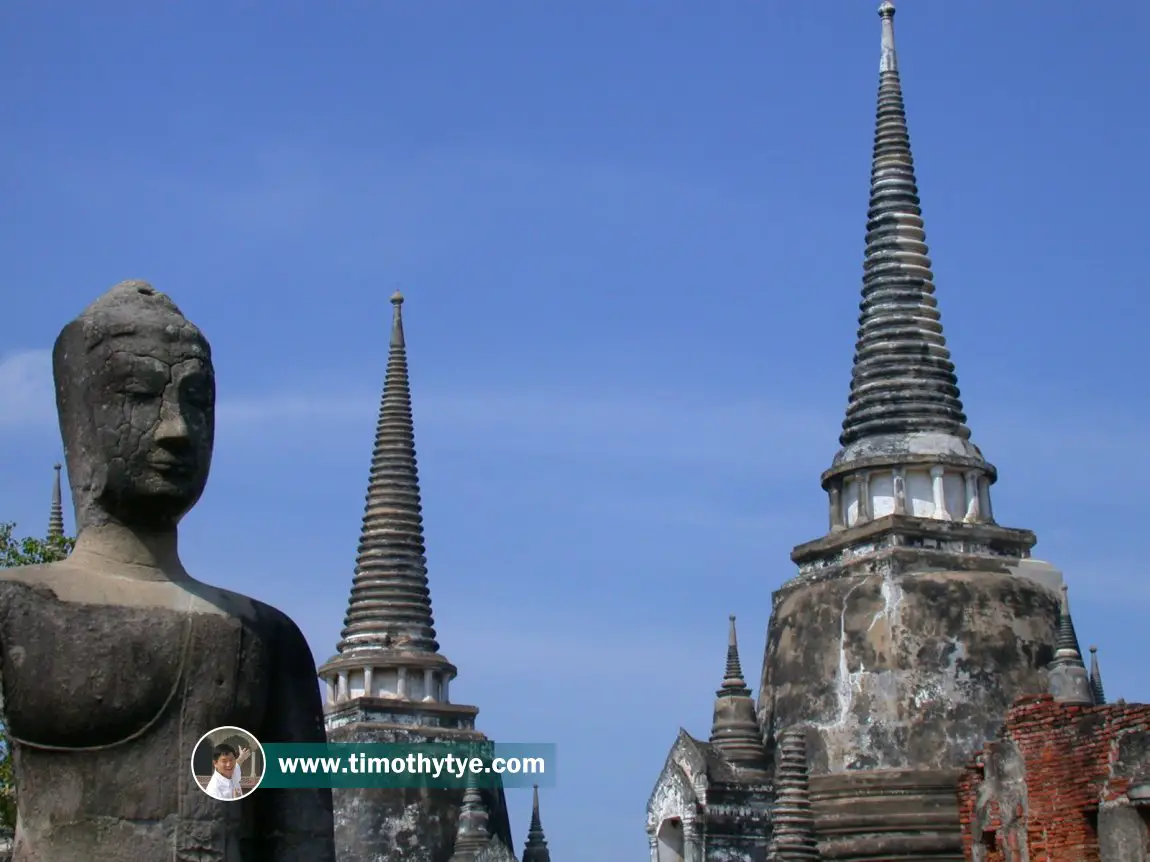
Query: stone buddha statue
{"x": 116, "y": 661}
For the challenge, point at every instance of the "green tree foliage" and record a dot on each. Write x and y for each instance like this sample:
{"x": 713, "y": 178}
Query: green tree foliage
{"x": 29, "y": 551}
{"x": 21, "y": 552}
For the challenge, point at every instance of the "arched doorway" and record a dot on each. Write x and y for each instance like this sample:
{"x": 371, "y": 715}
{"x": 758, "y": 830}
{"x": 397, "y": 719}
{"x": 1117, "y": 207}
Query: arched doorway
{"x": 670, "y": 840}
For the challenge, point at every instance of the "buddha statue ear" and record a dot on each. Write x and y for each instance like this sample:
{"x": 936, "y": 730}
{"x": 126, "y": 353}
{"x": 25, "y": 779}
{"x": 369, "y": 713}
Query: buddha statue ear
{"x": 87, "y": 477}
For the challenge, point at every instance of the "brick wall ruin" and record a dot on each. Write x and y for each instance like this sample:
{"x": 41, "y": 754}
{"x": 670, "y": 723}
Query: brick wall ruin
{"x": 1062, "y": 783}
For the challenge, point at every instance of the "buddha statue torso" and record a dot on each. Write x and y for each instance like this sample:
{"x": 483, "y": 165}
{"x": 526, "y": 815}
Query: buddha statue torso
{"x": 115, "y": 662}
{"x": 108, "y": 701}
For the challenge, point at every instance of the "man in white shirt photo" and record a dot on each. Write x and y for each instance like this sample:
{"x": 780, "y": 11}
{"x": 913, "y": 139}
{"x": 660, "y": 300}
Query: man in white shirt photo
{"x": 225, "y": 780}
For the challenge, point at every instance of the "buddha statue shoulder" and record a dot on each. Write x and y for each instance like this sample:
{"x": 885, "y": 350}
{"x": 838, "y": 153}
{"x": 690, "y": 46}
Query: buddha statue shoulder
{"x": 115, "y": 661}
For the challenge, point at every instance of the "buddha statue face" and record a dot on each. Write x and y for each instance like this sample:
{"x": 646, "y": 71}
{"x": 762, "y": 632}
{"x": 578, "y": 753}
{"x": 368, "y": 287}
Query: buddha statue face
{"x": 135, "y": 390}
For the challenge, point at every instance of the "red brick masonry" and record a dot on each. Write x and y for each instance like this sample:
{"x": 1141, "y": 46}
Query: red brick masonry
{"x": 1036, "y": 792}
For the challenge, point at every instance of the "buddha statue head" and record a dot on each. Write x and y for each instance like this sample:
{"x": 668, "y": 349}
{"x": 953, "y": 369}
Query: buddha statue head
{"x": 135, "y": 393}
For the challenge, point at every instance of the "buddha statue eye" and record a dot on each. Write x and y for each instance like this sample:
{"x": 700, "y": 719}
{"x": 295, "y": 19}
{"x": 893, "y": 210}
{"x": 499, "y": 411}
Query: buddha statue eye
{"x": 139, "y": 392}
{"x": 197, "y": 393}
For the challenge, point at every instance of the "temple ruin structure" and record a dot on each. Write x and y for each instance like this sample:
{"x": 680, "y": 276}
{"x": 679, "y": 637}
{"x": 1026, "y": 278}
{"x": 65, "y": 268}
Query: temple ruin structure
{"x": 911, "y": 626}
{"x": 388, "y": 682}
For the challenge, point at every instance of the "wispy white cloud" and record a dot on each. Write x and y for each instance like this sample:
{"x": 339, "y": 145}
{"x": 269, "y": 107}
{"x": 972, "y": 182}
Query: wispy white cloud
{"x": 26, "y": 397}
{"x": 765, "y": 433}
{"x": 322, "y": 407}
{"x": 645, "y": 425}
{"x": 641, "y": 426}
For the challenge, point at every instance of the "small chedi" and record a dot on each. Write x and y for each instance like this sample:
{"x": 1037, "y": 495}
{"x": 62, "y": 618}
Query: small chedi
{"x": 719, "y": 790}
{"x": 116, "y": 660}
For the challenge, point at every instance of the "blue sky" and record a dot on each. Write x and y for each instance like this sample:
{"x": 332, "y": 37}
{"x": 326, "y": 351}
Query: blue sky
{"x": 630, "y": 236}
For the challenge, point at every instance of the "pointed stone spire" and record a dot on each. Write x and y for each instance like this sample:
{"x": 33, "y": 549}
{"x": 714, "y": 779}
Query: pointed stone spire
{"x": 733, "y": 684}
{"x": 733, "y": 678}
{"x": 388, "y": 675}
{"x": 1096, "y": 679}
{"x": 56, "y": 513}
{"x": 1069, "y": 682}
{"x": 390, "y": 602}
{"x": 793, "y": 834}
{"x": 1067, "y": 647}
{"x": 535, "y": 850}
{"x": 735, "y": 729}
{"x": 903, "y": 378}
{"x": 904, "y": 410}
{"x": 472, "y": 832}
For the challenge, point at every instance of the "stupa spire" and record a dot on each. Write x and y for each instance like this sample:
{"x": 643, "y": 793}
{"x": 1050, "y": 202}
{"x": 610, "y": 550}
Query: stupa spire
{"x": 903, "y": 379}
{"x": 535, "y": 850}
{"x": 904, "y": 424}
{"x": 1069, "y": 682}
{"x": 472, "y": 833}
{"x": 390, "y": 602}
{"x": 735, "y": 730}
{"x": 733, "y": 682}
{"x": 56, "y": 512}
{"x": 1096, "y": 679}
{"x": 1067, "y": 647}
{"x": 388, "y": 675}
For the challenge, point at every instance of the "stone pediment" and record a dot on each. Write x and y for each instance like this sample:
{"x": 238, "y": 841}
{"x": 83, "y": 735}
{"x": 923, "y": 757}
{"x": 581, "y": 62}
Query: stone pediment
{"x": 692, "y": 769}
{"x": 495, "y": 851}
{"x": 674, "y": 794}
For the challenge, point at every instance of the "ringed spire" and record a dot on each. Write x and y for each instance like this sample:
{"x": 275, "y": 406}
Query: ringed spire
{"x": 903, "y": 379}
{"x": 56, "y": 512}
{"x": 390, "y": 602}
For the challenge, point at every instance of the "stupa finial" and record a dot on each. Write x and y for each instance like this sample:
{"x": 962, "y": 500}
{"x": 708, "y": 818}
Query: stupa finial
{"x": 56, "y": 512}
{"x": 889, "y": 59}
{"x": 1096, "y": 679}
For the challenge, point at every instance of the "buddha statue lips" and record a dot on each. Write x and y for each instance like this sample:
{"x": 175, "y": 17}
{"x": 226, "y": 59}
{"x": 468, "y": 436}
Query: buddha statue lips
{"x": 115, "y": 661}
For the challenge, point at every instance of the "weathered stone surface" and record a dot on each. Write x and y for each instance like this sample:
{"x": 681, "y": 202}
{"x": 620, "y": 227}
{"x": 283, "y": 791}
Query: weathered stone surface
{"x": 888, "y": 814}
{"x": 116, "y": 661}
{"x": 906, "y": 670}
{"x": 792, "y": 819}
{"x": 706, "y": 809}
{"x": 907, "y": 543}
{"x": 412, "y": 825}
{"x": 495, "y": 851}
